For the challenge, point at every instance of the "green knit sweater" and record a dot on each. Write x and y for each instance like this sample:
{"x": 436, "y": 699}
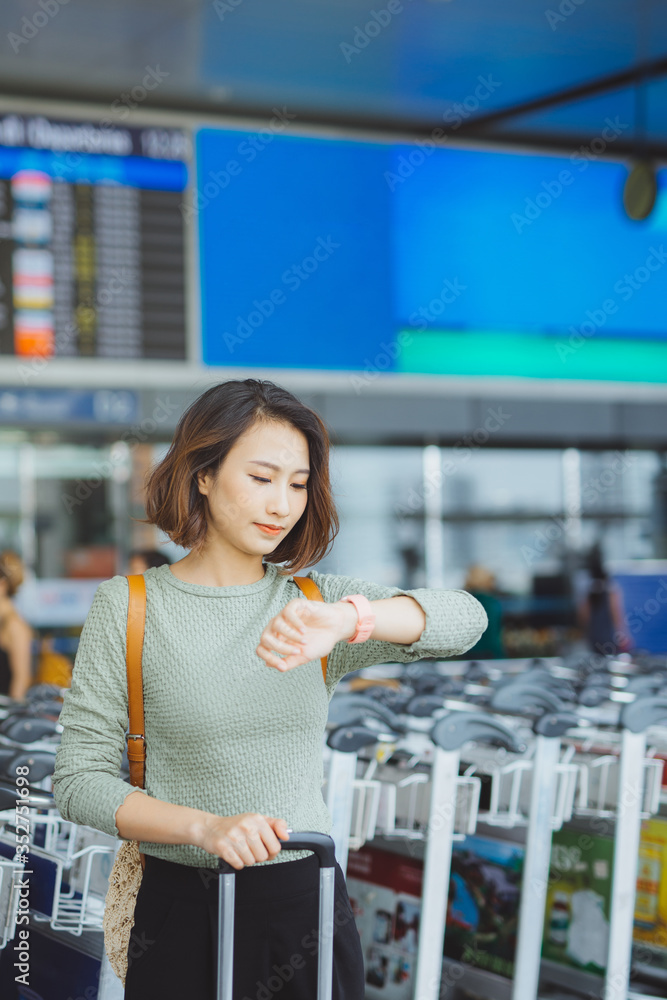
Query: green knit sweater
{"x": 224, "y": 732}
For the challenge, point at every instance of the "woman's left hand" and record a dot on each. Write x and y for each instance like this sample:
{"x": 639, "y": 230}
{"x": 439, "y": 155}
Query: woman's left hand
{"x": 304, "y": 631}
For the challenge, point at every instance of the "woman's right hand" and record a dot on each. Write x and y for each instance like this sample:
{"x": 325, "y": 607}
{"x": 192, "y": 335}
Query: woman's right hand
{"x": 243, "y": 839}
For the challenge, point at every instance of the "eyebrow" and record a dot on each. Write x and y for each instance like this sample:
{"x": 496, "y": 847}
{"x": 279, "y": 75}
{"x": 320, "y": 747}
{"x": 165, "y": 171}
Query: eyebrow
{"x": 270, "y": 465}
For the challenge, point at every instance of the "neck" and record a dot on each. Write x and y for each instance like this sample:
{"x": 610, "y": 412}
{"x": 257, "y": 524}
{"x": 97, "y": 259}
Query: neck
{"x": 219, "y": 565}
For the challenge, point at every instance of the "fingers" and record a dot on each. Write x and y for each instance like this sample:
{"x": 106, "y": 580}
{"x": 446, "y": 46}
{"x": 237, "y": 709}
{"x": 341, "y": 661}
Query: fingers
{"x": 258, "y": 847}
{"x": 256, "y": 839}
{"x": 293, "y": 614}
{"x": 289, "y": 624}
{"x": 286, "y": 634}
{"x": 271, "y": 842}
{"x": 231, "y": 856}
{"x": 275, "y": 640}
{"x": 280, "y": 827}
{"x": 284, "y": 663}
{"x": 248, "y": 839}
{"x": 271, "y": 643}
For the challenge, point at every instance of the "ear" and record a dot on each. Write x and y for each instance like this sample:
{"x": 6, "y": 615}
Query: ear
{"x": 204, "y": 480}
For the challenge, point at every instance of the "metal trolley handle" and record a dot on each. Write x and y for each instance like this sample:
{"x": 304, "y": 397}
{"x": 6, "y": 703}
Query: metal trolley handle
{"x": 324, "y": 849}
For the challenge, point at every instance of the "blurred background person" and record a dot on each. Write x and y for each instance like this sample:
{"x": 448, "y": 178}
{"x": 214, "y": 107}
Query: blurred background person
{"x": 15, "y": 633}
{"x": 601, "y": 611}
{"x": 140, "y": 560}
{"x": 481, "y": 583}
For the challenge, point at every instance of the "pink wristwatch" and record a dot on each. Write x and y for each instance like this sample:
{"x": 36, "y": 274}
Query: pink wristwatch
{"x": 366, "y": 622}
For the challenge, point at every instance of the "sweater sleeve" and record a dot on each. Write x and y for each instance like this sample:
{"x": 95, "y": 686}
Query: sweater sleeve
{"x": 87, "y": 785}
{"x": 455, "y": 620}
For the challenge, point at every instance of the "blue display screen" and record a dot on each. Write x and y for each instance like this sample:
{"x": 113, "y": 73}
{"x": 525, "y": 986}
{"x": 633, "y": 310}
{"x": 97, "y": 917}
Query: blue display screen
{"x": 317, "y": 253}
{"x": 295, "y": 243}
{"x": 532, "y": 243}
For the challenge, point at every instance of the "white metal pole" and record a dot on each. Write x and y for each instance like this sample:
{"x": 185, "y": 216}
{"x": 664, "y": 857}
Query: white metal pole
{"x": 340, "y": 798}
{"x": 626, "y": 862}
{"x": 226, "y": 898}
{"x": 437, "y": 867}
{"x": 536, "y": 869}
{"x": 326, "y": 932}
{"x": 434, "y": 535}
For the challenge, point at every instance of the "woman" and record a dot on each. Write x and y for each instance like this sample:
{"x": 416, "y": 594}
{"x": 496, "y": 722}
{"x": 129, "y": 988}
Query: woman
{"x": 601, "y": 612}
{"x": 15, "y": 633}
{"x": 235, "y": 702}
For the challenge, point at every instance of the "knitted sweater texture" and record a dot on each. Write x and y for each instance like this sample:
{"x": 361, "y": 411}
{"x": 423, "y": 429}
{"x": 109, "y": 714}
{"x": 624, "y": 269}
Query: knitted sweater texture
{"x": 224, "y": 732}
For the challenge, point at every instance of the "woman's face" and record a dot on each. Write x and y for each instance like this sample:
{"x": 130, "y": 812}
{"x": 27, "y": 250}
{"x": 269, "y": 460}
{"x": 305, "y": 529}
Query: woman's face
{"x": 260, "y": 484}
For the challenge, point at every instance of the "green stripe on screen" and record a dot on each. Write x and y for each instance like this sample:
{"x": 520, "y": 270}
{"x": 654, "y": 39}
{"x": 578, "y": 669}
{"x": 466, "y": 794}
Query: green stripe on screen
{"x": 532, "y": 356}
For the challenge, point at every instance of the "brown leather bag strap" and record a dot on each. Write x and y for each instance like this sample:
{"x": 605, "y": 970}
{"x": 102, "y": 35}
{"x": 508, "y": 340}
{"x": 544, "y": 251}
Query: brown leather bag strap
{"x": 136, "y": 623}
{"x": 309, "y": 589}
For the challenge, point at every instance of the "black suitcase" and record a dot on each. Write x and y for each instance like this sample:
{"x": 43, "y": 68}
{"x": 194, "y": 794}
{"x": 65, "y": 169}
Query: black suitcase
{"x": 323, "y": 847}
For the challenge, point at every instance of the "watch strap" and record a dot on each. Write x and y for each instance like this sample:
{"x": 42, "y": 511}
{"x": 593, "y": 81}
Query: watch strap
{"x": 366, "y": 622}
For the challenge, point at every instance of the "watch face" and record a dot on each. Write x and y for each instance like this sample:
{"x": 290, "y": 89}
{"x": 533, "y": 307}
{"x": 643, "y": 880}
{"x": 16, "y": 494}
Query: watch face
{"x": 640, "y": 191}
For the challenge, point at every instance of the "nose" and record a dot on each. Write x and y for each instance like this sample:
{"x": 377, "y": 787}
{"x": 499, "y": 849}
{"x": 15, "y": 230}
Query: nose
{"x": 279, "y": 502}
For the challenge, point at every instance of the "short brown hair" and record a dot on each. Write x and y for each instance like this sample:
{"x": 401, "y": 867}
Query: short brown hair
{"x": 205, "y": 434}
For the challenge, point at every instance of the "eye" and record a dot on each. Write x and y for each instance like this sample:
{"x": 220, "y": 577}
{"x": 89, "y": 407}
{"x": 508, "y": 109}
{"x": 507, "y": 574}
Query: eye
{"x": 297, "y": 486}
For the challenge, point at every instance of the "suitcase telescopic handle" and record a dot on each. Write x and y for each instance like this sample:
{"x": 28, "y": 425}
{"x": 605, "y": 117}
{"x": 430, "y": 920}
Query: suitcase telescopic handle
{"x": 319, "y": 843}
{"x": 323, "y": 847}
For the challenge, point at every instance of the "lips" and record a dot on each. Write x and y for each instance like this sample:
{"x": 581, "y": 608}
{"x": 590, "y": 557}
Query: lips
{"x": 268, "y": 529}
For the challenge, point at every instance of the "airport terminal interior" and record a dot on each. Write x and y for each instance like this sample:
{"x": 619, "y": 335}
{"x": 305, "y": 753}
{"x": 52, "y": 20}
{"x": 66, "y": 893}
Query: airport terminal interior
{"x": 442, "y": 226}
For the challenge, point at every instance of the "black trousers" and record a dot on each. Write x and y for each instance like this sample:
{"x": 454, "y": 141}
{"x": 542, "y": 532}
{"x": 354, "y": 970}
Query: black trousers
{"x": 174, "y": 943}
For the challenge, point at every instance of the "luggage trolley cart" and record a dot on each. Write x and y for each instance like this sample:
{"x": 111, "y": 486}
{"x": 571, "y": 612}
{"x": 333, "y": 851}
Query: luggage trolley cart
{"x": 323, "y": 847}
{"x": 366, "y": 805}
{"x": 546, "y": 815}
{"x": 449, "y": 735}
{"x": 636, "y": 718}
{"x": 67, "y": 905}
{"x": 361, "y": 721}
{"x": 543, "y": 818}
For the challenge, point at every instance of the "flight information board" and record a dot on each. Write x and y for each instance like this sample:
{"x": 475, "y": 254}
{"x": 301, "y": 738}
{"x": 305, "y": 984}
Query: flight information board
{"x": 92, "y": 246}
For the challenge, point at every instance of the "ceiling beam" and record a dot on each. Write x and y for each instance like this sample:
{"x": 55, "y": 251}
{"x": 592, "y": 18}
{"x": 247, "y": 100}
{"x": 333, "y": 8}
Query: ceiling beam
{"x": 613, "y": 81}
{"x": 365, "y": 126}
